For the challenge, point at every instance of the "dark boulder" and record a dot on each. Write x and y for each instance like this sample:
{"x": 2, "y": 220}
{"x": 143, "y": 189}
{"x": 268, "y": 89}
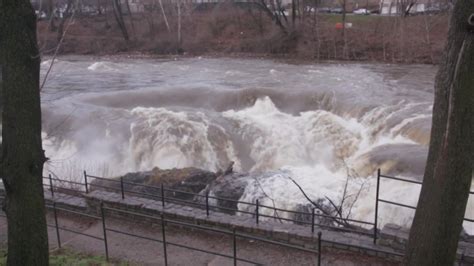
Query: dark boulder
{"x": 178, "y": 183}
{"x": 324, "y": 213}
{"x": 228, "y": 189}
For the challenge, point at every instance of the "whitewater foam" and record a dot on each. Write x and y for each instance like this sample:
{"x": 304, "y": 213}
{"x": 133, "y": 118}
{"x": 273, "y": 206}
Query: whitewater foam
{"x": 312, "y": 123}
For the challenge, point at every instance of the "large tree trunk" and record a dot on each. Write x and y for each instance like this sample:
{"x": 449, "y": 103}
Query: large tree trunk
{"x": 22, "y": 154}
{"x": 438, "y": 220}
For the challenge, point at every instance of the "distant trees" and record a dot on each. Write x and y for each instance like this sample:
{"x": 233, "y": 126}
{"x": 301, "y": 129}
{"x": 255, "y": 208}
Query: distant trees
{"x": 275, "y": 11}
{"x": 300, "y": 26}
{"x": 405, "y": 7}
{"x": 22, "y": 155}
{"x": 442, "y": 204}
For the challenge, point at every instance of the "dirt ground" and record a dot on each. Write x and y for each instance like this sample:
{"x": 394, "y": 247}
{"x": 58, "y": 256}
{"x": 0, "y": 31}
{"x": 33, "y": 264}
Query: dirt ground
{"x": 138, "y": 251}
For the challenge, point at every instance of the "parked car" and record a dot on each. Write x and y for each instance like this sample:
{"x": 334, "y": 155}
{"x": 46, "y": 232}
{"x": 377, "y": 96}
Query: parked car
{"x": 324, "y": 10}
{"x": 361, "y": 11}
{"x": 336, "y": 10}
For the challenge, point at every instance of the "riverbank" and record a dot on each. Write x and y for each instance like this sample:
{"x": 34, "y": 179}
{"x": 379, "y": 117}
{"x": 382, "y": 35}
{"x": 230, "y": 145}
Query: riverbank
{"x": 231, "y": 31}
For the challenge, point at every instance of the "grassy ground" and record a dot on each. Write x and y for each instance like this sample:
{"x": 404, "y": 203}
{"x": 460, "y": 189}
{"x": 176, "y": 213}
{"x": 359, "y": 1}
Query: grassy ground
{"x": 70, "y": 258}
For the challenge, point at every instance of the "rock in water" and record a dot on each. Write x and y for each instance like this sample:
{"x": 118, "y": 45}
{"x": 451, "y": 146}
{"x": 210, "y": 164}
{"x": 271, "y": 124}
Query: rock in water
{"x": 191, "y": 180}
{"x": 231, "y": 187}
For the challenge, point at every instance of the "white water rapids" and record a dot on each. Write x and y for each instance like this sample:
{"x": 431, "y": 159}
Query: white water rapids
{"x": 317, "y": 124}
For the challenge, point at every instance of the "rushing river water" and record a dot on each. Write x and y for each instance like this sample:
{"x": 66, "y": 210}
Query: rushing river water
{"x": 315, "y": 123}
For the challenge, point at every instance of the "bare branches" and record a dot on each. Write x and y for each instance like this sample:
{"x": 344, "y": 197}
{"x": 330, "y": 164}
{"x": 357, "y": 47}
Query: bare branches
{"x": 119, "y": 19}
{"x": 71, "y": 21}
{"x": 318, "y": 206}
{"x": 274, "y": 11}
{"x": 275, "y": 213}
{"x": 341, "y": 211}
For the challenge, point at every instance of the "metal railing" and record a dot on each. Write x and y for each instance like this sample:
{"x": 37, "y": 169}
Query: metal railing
{"x": 164, "y": 221}
{"x": 162, "y": 191}
{"x": 233, "y": 234}
{"x": 378, "y": 199}
{"x": 162, "y": 194}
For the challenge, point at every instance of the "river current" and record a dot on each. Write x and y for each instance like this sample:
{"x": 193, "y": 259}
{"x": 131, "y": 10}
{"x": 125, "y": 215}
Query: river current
{"x": 323, "y": 125}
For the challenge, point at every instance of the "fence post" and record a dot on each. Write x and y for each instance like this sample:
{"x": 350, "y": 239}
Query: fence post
{"x": 234, "y": 244}
{"x": 162, "y": 195}
{"x": 85, "y": 182}
{"x": 121, "y": 187}
{"x": 51, "y": 185}
{"x": 319, "y": 248}
{"x": 163, "y": 232}
{"x": 207, "y": 204}
{"x": 256, "y": 211}
{"x": 376, "y": 206}
{"x": 104, "y": 230}
{"x": 312, "y": 220}
{"x": 56, "y": 224}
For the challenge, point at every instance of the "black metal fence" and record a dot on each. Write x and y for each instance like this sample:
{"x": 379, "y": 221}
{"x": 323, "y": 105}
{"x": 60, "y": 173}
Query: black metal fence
{"x": 160, "y": 193}
{"x": 257, "y": 207}
{"x": 233, "y": 234}
{"x": 120, "y": 185}
{"x": 378, "y": 199}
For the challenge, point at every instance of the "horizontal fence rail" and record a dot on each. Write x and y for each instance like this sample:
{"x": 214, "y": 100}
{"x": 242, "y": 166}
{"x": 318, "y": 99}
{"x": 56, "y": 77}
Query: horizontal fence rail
{"x": 164, "y": 221}
{"x": 379, "y": 199}
{"x": 233, "y": 234}
{"x": 254, "y": 209}
{"x": 161, "y": 194}
{"x": 86, "y": 186}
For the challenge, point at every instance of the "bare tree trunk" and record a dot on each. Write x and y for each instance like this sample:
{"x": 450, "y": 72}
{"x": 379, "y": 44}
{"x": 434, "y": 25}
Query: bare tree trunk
{"x": 179, "y": 26}
{"x": 344, "y": 38}
{"x": 293, "y": 12}
{"x": 106, "y": 16}
{"x": 428, "y": 37}
{"x": 51, "y": 26}
{"x": 63, "y": 20}
{"x": 164, "y": 15}
{"x": 119, "y": 18}
{"x": 442, "y": 204}
{"x": 131, "y": 17}
{"x": 316, "y": 29}
{"x": 22, "y": 157}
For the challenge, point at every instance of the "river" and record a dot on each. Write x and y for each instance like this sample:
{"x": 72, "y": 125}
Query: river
{"x": 317, "y": 123}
